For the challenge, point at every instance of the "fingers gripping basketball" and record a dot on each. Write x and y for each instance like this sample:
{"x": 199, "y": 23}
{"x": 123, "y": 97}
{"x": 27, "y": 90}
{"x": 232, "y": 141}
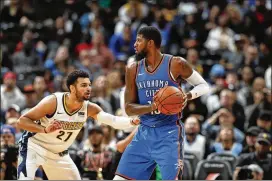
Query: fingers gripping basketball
{"x": 169, "y": 100}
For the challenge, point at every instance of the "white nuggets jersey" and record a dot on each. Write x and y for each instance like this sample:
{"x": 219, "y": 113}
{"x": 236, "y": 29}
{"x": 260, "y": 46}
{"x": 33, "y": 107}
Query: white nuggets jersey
{"x": 61, "y": 140}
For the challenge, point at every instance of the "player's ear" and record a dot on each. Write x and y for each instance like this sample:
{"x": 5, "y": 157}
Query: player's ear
{"x": 150, "y": 43}
{"x": 72, "y": 88}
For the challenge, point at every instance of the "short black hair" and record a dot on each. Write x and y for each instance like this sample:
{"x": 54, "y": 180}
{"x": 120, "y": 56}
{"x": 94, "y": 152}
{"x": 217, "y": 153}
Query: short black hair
{"x": 151, "y": 33}
{"x": 72, "y": 77}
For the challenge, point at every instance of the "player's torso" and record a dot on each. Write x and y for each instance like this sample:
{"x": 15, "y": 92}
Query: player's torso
{"x": 72, "y": 123}
{"x": 148, "y": 83}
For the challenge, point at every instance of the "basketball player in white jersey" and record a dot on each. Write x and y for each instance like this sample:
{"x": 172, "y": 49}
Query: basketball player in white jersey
{"x": 52, "y": 126}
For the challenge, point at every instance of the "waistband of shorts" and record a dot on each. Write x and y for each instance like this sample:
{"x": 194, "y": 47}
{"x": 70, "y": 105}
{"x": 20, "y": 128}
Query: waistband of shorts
{"x": 163, "y": 123}
{"x": 45, "y": 152}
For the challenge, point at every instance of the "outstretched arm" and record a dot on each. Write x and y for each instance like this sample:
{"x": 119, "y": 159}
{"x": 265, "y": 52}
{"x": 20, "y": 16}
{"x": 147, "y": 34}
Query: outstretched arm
{"x": 181, "y": 67}
{"x": 131, "y": 106}
{"x": 117, "y": 122}
{"x": 47, "y": 106}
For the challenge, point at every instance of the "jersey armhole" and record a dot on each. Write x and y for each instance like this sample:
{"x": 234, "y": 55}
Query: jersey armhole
{"x": 51, "y": 115}
{"x": 137, "y": 70}
{"x": 169, "y": 71}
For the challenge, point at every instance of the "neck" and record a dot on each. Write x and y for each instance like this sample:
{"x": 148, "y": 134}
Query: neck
{"x": 97, "y": 149}
{"x": 72, "y": 103}
{"x": 190, "y": 138}
{"x": 153, "y": 58}
{"x": 227, "y": 144}
{"x": 9, "y": 89}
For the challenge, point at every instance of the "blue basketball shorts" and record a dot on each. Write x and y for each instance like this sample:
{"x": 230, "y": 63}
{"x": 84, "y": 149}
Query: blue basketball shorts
{"x": 151, "y": 146}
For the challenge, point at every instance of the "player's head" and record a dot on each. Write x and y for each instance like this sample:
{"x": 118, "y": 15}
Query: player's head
{"x": 79, "y": 84}
{"x": 148, "y": 38}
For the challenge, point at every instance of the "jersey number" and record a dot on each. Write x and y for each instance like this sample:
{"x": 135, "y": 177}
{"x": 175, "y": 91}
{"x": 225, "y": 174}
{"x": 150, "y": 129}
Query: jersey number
{"x": 62, "y": 133}
{"x": 156, "y": 111}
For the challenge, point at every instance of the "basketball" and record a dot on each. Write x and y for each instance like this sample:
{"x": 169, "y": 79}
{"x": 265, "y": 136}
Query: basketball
{"x": 169, "y": 100}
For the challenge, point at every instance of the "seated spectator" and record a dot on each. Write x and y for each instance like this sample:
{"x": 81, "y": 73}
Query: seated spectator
{"x": 245, "y": 95}
{"x": 30, "y": 96}
{"x": 195, "y": 142}
{"x": 264, "y": 121}
{"x": 10, "y": 93}
{"x": 193, "y": 59}
{"x": 97, "y": 161}
{"x": 225, "y": 143}
{"x": 221, "y": 37}
{"x": 59, "y": 65}
{"x": 228, "y": 100}
{"x": 100, "y": 93}
{"x": 100, "y": 54}
{"x": 109, "y": 140}
{"x": 250, "y": 140}
{"x": 122, "y": 44}
{"x": 226, "y": 119}
{"x": 9, "y": 153}
{"x": 261, "y": 157}
{"x": 40, "y": 88}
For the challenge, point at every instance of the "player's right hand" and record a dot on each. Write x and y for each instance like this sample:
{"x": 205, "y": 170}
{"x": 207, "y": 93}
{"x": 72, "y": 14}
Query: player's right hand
{"x": 53, "y": 126}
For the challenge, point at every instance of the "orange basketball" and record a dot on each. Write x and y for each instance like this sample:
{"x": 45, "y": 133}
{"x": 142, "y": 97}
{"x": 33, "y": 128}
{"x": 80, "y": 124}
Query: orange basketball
{"x": 169, "y": 100}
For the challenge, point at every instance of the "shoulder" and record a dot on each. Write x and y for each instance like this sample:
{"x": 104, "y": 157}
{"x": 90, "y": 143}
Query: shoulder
{"x": 132, "y": 66}
{"x": 49, "y": 100}
{"x": 93, "y": 109}
{"x": 179, "y": 61}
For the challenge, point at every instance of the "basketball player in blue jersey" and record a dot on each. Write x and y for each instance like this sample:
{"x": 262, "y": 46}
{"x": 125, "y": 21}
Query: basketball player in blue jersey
{"x": 159, "y": 139}
{"x": 52, "y": 126}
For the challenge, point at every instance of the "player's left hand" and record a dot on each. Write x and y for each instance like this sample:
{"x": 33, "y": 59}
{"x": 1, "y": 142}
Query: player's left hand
{"x": 185, "y": 98}
{"x": 135, "y": 121}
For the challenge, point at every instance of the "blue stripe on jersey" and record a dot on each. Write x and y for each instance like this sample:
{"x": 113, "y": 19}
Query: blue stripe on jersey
{"x": 25, "y": 136}
{"x": 147, "y": 84}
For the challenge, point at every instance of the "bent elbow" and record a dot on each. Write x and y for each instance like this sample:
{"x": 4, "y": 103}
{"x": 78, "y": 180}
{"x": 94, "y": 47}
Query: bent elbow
{"x": 128, "y": 109}
{"x": 19, "y": 123}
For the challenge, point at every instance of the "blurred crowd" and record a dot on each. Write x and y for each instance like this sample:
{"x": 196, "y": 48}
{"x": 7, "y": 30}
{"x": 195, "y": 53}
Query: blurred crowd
{"x": 229, "y": 42}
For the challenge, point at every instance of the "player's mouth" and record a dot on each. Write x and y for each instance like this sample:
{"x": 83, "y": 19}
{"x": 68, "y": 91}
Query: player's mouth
{"x": 88, "y": 94}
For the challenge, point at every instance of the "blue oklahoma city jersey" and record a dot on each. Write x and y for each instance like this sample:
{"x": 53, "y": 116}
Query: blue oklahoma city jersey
{"x": 148, "y": 83}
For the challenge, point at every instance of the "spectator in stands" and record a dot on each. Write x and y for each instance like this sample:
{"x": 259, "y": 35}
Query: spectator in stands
{"x": 221, "y": 37}
{"x": 9, "y": 153}
{"x": 247, "y": 77}
{"x": 30, "y": 96}
{"x": 193, "y": 58}
{"x": 245, "y": 95}
{"x": 195, "y": 142}
{"x": 234, "y": 59}
{"x": 226, "y": 120}
{"x": 59, "y": 65}
{"x": 97, "y": 161}
{"x": 40, "y": 88}
{"x": 122, "y": 44}
{"x": 11, "y": 13}
{"x": 10, "y": 93}
{"x": 109, "y": 140}
{"x": 264, "y": 121}
{"x": 27, "y": 62}
{"x": 225, "y": 142}
{"x": 133, "y": 10}
{"x": 100, "y": 54}
{"x": 116, "y": 81}
{"x": 251, "y": 59}
{"x": 261, "y": 156}
{"x": 250, "y": 140}
{"x": 232, "y": 80}
{"x": 100, "y": 93}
